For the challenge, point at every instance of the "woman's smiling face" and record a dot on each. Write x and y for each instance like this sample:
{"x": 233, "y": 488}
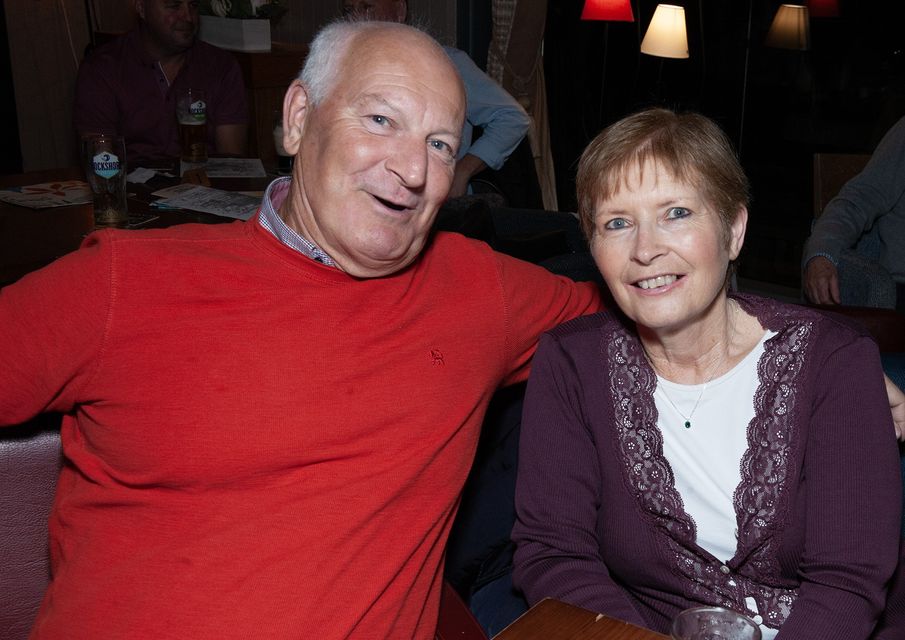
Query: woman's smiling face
{"x": 662, "y": 248}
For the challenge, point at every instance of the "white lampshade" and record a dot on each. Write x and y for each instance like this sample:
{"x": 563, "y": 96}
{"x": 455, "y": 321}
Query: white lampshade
{"x": 665, "y": 35}
{"x": 790, "y": 28}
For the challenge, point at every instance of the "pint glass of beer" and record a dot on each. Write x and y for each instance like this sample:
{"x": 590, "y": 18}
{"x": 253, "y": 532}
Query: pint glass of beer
{"x": 104, "y": 162}
{"x": 191, "y": 112}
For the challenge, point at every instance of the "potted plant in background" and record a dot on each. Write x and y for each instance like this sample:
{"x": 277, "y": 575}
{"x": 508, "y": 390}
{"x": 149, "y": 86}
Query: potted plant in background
{"x": 240, "y": 25}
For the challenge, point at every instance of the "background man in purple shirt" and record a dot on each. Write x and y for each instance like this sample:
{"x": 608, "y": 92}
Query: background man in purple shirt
{"x": 130, "y": 86}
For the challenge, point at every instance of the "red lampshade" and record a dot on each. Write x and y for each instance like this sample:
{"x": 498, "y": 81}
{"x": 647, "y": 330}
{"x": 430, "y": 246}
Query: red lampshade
{"x": 823, "y": 8}
{"x": 616, "y": 10}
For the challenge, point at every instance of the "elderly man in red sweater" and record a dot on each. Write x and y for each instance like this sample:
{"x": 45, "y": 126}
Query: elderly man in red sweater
{"x": 268, "y": 424}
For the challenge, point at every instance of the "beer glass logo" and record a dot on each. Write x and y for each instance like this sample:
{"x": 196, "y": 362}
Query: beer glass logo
{"x": 197, "y": 109}
{"x": 105, "y": 164}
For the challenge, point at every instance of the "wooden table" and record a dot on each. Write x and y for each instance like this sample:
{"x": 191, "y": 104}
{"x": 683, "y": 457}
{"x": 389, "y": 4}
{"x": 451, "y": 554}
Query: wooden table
{"x": 33, "y": 238}
{"x": 555, "y": 620}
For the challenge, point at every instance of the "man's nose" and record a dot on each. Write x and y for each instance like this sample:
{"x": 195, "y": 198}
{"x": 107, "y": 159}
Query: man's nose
{"x": 408, "y": 160}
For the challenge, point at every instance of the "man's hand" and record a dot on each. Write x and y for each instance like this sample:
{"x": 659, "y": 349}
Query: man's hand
{"x": 821, "y": 281}
{"x": 897, "y": 406}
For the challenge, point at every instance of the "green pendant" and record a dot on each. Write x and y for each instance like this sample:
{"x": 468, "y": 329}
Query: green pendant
{"x": 688, "y": 424}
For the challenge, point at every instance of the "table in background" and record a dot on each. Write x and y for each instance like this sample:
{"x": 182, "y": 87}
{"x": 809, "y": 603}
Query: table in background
{"x": 554, "y": 620}
{"x": 33, "y": 238}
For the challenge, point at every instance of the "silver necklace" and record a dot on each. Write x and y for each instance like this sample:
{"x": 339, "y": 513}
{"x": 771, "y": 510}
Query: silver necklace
{"x": 687, "y": 419}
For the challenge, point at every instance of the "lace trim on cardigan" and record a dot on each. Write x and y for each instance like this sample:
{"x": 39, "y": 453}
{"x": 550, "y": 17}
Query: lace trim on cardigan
{"x": 764, "y": 471}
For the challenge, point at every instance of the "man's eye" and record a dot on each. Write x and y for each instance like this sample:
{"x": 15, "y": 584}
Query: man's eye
{"x": 678, "y": 212}
{"x": 381, "y": 120}
{"x": 439, "y": 145}
{"x": 616, "y": 223}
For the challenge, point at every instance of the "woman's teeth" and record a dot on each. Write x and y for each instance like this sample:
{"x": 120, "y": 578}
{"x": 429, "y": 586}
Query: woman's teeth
{"x": 659, "y": 281}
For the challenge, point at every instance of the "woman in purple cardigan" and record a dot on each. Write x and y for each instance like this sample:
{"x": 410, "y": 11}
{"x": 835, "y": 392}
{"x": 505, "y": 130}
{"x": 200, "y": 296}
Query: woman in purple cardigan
{"x": 702, "y": 448}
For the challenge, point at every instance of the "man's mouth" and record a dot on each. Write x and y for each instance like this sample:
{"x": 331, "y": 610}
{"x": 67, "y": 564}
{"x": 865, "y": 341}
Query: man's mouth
{"x": 657, "y": 281}
{"x": 392, "y": 205}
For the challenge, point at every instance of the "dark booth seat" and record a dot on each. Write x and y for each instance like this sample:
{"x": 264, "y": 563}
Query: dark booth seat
{"x": 30, "y": 461}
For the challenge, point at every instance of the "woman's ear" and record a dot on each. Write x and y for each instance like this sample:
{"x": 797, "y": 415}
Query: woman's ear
{"x": 737, "y": 232}
{"x": 296, "y": 107}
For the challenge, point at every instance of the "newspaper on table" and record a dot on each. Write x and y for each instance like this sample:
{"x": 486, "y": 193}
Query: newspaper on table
{"x": 227, "y": 167}
{"x": 60, "y": 193}
{"x": 195, "y": 197}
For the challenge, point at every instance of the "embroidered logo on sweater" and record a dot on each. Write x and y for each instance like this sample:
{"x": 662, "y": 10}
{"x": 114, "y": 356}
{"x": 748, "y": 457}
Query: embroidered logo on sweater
{"x": 437, "y": 356}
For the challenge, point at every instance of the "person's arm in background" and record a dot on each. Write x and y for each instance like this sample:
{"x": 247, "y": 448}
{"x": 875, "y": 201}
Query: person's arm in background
{"x": 492, "y": 108}
{"x": 896, "y": 406}
{"x": 866, "y": 197}
{"x": 853, "y": 500}
{"x": 466, "y": 168}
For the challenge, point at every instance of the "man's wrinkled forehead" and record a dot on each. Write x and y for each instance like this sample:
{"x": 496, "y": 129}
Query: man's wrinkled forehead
{"x": 410, "y": 54}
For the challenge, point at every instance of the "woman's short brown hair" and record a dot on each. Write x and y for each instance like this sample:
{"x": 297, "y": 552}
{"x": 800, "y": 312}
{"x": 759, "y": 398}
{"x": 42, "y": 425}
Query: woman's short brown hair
{"x": 690, "y": 145}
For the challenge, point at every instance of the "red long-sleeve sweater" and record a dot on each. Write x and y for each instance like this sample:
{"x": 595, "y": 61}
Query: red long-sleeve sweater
{"x": 260, "y": 446}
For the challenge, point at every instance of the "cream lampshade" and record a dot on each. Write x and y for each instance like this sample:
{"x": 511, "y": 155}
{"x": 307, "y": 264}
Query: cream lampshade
{"x": 790, "y": 28}
{"x": 665, "y": 35}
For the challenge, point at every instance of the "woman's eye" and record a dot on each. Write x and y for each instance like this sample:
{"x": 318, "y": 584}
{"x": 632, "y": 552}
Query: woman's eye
{"x": 381, "y": 120}
{"x": 616, "y": 223}
{"x": 678, "y": 212}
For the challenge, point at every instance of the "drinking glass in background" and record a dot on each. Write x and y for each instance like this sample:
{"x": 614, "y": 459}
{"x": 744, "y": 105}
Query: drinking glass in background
{"x": 191, "y": 112}
{"x": 714, "y": 623}
{"x": 284, "y": 160}
{"x": 104, "y": 162}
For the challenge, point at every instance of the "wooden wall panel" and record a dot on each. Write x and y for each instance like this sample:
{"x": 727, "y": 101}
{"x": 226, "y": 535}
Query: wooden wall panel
{"x": 113, "y": 16}
{"x": 47, "y": 39}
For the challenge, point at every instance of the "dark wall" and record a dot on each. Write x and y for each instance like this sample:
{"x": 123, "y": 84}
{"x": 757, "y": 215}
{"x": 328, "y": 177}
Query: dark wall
{"x": 474, "y": 25}
{"x": 841, "y": 95}
{"x": 10, "y": 151}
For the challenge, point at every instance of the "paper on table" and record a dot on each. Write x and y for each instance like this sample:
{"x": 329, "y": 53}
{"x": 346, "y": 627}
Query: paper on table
{"x": 48, "y": 194}
{"x": 217, "y": 201}
{"x": 227, "y": 168}
{"x": 141, "y": 175}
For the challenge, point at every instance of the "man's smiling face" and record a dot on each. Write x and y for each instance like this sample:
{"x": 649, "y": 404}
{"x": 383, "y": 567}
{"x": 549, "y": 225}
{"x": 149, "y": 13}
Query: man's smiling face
{"x": 376, "y": 156}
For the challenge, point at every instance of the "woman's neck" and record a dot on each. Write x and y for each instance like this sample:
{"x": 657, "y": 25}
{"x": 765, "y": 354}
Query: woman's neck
{"x": 700, "y": 352}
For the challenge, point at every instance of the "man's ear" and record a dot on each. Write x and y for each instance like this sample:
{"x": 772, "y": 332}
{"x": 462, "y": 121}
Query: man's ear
{"x": 296, "y": 107}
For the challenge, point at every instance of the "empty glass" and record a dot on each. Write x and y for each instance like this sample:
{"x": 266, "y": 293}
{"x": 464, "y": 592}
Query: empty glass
{"x": 104, "y": 162}
{"x": 714, "y": 623}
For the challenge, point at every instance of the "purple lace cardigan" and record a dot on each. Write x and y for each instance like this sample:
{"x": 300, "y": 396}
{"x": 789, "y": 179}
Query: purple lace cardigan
{"x": 601, "y": 524}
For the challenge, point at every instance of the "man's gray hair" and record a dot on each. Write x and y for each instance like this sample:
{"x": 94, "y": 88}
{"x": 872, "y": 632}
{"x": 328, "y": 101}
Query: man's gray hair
{"x": 323, "y": 65}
